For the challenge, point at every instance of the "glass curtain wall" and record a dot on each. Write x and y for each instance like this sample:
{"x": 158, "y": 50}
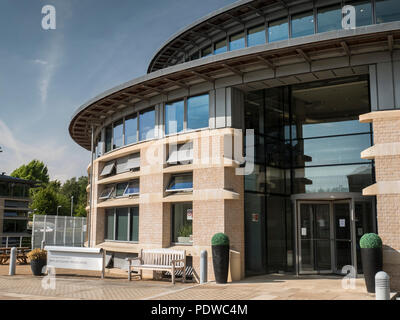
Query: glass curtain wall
{"x": 307, "y": 140}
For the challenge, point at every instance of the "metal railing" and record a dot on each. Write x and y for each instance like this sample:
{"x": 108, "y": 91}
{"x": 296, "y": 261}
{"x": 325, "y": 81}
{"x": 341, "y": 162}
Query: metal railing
{"x": 13, "y": 241}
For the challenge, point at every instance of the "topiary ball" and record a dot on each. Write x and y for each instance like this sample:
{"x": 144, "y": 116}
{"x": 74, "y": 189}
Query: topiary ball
{"x": 370, "y": 240}
{"x": 220, "y": 239}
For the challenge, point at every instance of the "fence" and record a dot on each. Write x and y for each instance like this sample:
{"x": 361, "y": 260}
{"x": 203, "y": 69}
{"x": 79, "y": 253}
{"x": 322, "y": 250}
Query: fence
{"x": 58, "y": 231}
{"x": 9, "y": 241}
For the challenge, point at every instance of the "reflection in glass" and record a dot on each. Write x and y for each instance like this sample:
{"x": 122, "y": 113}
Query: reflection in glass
{"x": 220, "y": 47}
{"x": 109, "y": 224}
{"x": 363, "y": 12}
{"x": 108, "y": 138}
{"x": 197, "y": 112}
{"x": 118, "y": 134}
{"x": 182, "y": 219}
{"x": 387, "y": 11}
{"x": 278, "y": 30}
{"x": 255, "y": 251}
{"x": 134, "y": 228}
{"x": 302, "y": 24}
{"x": 122, "y": 224}
{"x": 333, "y": 150}
{"x": 174, "y": 113}
{"x": 131, "y": 129}
{"x": 206, "y": 52}
{"x": 329, "y": 19}
{"x": 256, "y": 36}
{"x": 343, "y": 178}
{"x": 237, "y": 41}
{"x": 146, "y": 124}
{"x": 256, "y": 180}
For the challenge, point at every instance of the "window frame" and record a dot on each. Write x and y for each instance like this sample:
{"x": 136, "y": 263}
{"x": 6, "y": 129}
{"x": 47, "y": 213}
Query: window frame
{"x": 172, "y": 180}
{"x": 111, "y": 187}
{"x": 113, "y": 212}
{"x": 173, "y": 224}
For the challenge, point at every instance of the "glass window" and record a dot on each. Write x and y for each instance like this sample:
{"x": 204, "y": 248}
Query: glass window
{"x": 333, "y": 150}
{"x": 20, "y": 225}
{"x": 118, "y": 134}
{"x": 182, "y": 218}
{"x": 363, "y": 12}
{"x": 237, "y": 41}
{"x": 134, "y": 228}
{"x": 122, "y": 224}
{"x": 174, "y": 114}
{"x": 109, "y": 224}
{"x": 387, "y": 11}
{"x": 10, "y": 214}
{"x": 302, "y": 24}
{"x": 108, "y": 138}
{"x": 220, "y": 47}
{"x": 345, "y": 178}
{"x": 197, "y": 112}
{"x": 181, "y": 182}
{"x": 146, "y": 124}
{"x": 256, "y": 36}
{"x": 329, "y": 19}
{"x": 120, "y": 189}
{"x": 256, "y": 180}
{"x": 106, "y": 193}
{"x": 278, "y": 30}
{"x": 131, "y": 129}
{"x": 133, "y": 188}
{"x": 194, "y": 56}
{"x": 16, "y": 204}
{"x": 206, "y": 52}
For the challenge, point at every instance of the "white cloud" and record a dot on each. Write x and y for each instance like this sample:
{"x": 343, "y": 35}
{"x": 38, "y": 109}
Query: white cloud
{"x": 38, "y": 61}
{"x": 61, "y": 162}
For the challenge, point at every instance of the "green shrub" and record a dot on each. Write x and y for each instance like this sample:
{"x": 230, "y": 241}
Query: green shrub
{"x": 185, "y": 230}
{"x": 370, "y": 240}
{"x": 220, "y": 239}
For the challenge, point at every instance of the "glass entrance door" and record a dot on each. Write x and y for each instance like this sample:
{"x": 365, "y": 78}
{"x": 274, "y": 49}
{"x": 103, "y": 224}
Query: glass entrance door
{"x": 342, "y": 235}
{"x": 324, "y": 236}
{"x": 314, "y": 235}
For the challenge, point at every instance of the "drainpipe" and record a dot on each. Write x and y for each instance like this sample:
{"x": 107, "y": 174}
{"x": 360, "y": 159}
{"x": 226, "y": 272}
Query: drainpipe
{"x": 91, "y": 188}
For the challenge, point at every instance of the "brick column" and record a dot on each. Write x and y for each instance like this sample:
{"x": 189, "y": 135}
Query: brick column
{"x": 386, "y": 153}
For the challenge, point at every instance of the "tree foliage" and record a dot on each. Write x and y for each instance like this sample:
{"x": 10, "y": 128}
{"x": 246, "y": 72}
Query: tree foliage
{"x": 35, "y": 170}
{"x": 51, "y": 194}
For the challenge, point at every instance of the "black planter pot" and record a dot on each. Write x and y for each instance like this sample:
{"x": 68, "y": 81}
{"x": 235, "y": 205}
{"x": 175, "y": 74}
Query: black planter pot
{"x": 372, "y": 261}
{"x": 220, "y": 255}
{"x": 37, "y": 266}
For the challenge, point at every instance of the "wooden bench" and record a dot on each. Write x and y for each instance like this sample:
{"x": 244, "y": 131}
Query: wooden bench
{"x": 159, "y": 260}
{"x": 21, "y": 255}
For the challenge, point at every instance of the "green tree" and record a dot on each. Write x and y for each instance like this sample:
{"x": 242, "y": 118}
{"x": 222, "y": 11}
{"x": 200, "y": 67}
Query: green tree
{"x": 35, "y": 170}
{"x": 76, "y": 188}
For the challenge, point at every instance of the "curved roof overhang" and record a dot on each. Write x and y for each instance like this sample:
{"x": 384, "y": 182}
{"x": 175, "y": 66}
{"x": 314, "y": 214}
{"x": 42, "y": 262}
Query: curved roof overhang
{"x": 275, "y": 56}
{"x": 235, "y": 14}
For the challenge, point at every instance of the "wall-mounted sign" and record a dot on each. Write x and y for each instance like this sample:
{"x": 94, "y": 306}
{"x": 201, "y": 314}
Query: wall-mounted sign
{"x": 189, "y": 214}
{"x": 303, "y": 231}
{"x": 342, "y": 223}
{"x": 254, "y": 217}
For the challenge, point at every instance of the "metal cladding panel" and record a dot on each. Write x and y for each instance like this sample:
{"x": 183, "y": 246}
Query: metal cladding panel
{"x": 385, "y": 86}
{"x": 220, "y": 108}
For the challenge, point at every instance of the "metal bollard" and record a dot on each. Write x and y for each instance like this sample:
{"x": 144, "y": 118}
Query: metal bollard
{"x": 42, "y": 244}
{"x": 13, "y": 261}
{"x": 382, "y": 286}
{"x": 203, "y": 266}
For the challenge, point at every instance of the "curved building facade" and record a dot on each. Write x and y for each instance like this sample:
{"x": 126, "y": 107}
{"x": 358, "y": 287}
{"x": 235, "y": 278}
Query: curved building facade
{"x": 275, "y": 122}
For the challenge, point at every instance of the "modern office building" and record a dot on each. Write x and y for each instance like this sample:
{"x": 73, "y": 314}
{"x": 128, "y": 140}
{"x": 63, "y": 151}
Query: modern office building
{"x": 14, "y": 208}
{"x": 171, "y": 168}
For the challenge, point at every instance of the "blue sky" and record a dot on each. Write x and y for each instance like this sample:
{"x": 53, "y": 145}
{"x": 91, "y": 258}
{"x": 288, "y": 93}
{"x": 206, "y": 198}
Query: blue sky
{"x": 45, "y": 75}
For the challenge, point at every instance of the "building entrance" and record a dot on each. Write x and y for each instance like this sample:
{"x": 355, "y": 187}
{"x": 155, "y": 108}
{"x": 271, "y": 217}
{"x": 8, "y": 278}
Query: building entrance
{"x": 328, "y": 233}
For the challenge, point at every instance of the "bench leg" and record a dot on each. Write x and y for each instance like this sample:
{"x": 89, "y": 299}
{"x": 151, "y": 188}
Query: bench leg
{"x": 173, "y": 274}
{"x": 129, "y": 270}
{"x": 184, "y": 275}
